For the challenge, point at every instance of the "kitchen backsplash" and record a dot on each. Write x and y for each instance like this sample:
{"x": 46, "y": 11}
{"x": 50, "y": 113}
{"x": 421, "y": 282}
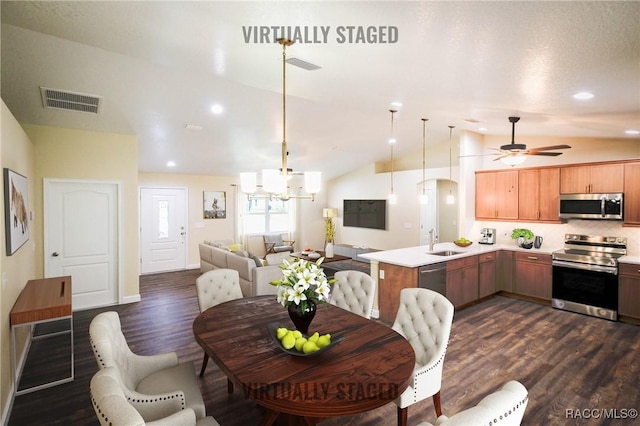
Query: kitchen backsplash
{"x": 553, "y": 234}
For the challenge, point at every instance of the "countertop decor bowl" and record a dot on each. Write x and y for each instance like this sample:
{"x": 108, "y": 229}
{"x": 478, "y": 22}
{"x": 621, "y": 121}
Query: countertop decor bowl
{"x": 461, "y": 244}
{"x": 314, "y": 255}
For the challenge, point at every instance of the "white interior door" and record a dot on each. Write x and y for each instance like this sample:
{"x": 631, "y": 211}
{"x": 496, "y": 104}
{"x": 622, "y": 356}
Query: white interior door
{"x": 163, "y": 232}
{"x": 81, "y": 239}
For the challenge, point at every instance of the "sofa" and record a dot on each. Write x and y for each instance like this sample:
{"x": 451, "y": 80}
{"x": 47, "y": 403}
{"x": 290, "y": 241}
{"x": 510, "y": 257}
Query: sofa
{"x": 254, "y": 280}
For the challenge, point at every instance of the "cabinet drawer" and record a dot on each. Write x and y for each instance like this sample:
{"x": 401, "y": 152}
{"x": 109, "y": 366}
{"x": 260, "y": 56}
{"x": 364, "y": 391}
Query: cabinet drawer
{"x": 487, "y": 257}
{"x": 533, "y": 257}
{"x": 461, "y": 263}
{"x": 629, "y": 269}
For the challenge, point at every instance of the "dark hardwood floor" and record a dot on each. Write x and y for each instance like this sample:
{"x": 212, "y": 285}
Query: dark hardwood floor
{"x": 567, "y": 361}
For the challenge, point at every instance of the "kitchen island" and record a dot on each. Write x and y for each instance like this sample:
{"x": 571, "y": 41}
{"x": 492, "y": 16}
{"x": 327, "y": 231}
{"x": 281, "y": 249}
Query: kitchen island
{"x": 472, "y": 273}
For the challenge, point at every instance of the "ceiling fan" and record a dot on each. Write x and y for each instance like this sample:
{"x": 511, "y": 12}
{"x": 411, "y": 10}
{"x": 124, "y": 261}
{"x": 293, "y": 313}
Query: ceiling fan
{"x": 513, "y": 153}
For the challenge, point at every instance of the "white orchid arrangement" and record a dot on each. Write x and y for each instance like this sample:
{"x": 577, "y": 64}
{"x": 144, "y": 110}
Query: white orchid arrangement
{"x": 302, "y": 281}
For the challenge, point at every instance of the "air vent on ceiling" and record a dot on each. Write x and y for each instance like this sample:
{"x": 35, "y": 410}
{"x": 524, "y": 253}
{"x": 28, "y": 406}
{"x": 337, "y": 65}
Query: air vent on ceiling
{"x": 303, "y": 64}
{"x": 70, "y": 101}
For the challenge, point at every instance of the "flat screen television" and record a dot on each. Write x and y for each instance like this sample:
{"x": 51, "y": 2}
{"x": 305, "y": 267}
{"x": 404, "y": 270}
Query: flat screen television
{"x": 365, "y": 214}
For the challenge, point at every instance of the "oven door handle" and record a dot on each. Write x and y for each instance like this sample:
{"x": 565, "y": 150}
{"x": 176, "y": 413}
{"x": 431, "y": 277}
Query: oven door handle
{"x": 586, "y": 267}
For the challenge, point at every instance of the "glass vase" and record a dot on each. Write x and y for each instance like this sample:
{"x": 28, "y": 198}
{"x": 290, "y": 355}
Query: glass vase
{"x": 302, "y": 318}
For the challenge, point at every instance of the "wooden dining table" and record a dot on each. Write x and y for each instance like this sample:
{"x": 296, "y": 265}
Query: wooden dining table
{"x": 369, "y": 366}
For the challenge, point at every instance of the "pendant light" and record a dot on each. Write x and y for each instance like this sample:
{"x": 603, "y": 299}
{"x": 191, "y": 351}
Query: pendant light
{"x": 392, "y": 140}
{"x": 450, "y": 198}
{"x": 423, "y": 196}
{"x": 274, "y": 181}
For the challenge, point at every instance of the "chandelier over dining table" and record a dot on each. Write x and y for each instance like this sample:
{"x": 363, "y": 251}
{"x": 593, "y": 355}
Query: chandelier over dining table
{"x": 275, "y": 182}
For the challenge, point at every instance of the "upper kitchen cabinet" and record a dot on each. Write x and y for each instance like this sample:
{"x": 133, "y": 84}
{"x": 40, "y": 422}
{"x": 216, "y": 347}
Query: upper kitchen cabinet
{"x": 632, "y": 194}
{"x": 497, "y": 195}
{"x": 538, "y": 194}
{"x": 591, "y": 178}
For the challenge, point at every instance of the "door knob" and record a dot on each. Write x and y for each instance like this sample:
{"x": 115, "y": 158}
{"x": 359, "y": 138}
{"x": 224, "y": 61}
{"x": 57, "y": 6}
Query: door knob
{"x": 55, "y": 254}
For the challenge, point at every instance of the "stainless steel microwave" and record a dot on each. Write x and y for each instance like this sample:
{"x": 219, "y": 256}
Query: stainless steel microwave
{"x": 591, "y": 206}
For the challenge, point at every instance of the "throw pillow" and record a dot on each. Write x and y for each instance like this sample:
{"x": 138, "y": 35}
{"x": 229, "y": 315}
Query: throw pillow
{"x": 234, "y": 247}
{"x": 256, "y": 259}
{"x": 242, "y": 253}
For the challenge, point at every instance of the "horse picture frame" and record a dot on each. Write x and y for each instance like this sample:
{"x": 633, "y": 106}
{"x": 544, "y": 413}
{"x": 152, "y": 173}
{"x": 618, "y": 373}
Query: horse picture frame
{"x": 16, "y": 210}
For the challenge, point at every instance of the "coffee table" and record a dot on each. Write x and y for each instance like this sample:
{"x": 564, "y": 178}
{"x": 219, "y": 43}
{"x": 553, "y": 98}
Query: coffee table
{"x": 368, "y": 368}
{"x": 335, "y": 257}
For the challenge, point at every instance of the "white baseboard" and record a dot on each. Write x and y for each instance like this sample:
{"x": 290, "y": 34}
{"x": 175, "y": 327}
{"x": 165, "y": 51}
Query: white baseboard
{"x": 131, "y": 299}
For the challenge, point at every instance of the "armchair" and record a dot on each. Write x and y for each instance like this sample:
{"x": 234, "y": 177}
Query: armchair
{"x": 275, "y": 244}
{"x": 146, "y": 380}
{"x": 424, "y": 318}
{"x": 353, "y": 291}
{"x": 501, "y": 408}
{"x": 113, "y": 408}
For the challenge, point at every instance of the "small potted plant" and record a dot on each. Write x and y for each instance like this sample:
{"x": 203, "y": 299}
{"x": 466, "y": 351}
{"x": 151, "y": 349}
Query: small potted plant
{"x": 523, "y": 236}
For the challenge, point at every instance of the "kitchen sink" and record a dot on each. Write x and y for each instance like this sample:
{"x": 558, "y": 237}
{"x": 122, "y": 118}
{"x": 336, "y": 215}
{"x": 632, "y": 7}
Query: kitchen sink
{"x": 445, "y": 253}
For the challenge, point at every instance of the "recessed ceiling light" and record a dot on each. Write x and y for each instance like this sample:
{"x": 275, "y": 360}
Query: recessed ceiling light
{"x": 583, "y": 96}
{"x": 171, "y": 163}
{"x": 482, "y": 129}
{"x": 217, "y": 109}
{"x": 632, "y": 132}
{"x": 396, "y": 104}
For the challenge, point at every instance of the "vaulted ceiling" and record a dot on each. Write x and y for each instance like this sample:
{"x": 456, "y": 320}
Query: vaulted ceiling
{"x": 160, "y": 66}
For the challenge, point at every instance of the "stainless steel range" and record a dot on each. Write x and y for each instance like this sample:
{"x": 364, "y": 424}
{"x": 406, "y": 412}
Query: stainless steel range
{"x": 585, "y": 275}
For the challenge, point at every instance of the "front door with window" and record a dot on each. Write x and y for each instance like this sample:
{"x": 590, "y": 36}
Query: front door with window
{"x": 162, "y": 229}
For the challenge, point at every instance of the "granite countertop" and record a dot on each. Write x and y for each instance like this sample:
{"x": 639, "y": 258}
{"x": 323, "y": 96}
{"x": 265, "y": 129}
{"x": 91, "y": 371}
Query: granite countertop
{"x": 412, "y": 257}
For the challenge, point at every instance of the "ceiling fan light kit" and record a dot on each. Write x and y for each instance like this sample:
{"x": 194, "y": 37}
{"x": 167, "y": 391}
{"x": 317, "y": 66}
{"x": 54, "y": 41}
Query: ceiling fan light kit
{"x": 514, "y": 153}
{"x": 275, "y": 181}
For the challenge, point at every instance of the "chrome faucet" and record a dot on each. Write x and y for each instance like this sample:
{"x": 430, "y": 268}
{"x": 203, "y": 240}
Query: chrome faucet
{"x": 433, "y": 237}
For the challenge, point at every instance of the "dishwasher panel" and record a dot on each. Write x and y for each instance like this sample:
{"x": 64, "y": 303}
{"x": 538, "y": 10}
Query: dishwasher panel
{"x": 433, "y": 277}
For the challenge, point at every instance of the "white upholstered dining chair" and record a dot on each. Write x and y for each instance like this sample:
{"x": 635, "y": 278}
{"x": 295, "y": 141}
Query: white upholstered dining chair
{"x": 353, "y": 291}
{"x": 504, "y": 407}
{"x": 146, "y": 380}
{"x": 424, "y": 318}
{"x": 113, "y": 408}
{"x": 215, "y": 287}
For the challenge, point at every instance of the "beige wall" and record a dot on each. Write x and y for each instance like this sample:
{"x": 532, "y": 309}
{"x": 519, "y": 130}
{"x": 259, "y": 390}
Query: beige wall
{"x": 82, "y": 155}
{"x": 16, "y": 153}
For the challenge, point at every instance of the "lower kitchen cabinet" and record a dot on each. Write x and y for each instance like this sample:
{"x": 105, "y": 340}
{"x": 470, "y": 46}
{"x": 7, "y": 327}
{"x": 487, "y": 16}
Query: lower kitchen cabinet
{"x": 462, "y": 280}
{"x": 504, "y": 270}
{"x": 395, "y": 279}
{"x": 533, "y": 275}
{"x": 486, "y": 274}
{"x": 629, "y": 290}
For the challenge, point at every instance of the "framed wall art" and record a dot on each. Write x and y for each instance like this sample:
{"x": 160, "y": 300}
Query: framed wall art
{"x": 215, "y": 205}
{"x": 16, "y": 210}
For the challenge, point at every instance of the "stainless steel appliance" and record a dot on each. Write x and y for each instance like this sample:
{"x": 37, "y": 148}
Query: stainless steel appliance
{"x": 433, "y": 277}
{"x": 591, "y": 206}
{"x": 487, "y": 236}
{"x": 585, "y": 275}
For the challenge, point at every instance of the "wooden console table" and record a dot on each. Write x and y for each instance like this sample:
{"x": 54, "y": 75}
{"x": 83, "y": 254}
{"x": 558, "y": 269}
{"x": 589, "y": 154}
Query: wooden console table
{"x": 41, "y": 301}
